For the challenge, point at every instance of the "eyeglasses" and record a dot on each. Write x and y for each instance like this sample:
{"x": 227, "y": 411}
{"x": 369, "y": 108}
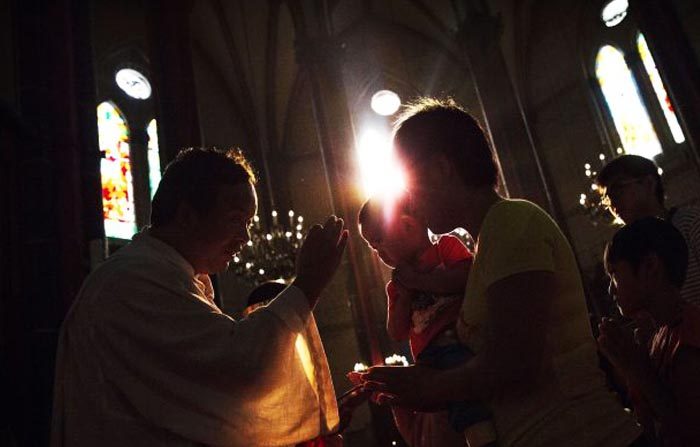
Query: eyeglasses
{"x": 613, "y": 191}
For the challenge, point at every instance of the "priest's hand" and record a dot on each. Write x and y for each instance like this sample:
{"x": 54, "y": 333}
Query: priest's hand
{"x": 319, "y": 257}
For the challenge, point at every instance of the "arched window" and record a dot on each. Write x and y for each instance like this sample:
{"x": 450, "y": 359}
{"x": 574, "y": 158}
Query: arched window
{"x": 643, "y": 120}
{"x": 115, "y": 169}
{"x": 659, "y": 89}
{"x": 622, "y": 97}
{"x": 153, "y": 157}
{"x": 130, "y": 166}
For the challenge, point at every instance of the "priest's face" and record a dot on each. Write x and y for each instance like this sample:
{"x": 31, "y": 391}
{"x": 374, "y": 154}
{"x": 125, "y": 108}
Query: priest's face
{"x": 223, "y": 231}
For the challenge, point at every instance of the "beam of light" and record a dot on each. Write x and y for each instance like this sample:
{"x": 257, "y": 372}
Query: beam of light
{"x": 381, "y": 172}
{"x": 385, "y": 102}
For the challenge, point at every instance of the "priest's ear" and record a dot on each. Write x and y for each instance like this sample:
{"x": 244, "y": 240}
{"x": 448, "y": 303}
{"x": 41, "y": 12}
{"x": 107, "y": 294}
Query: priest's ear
{"x": 186, "y": 217}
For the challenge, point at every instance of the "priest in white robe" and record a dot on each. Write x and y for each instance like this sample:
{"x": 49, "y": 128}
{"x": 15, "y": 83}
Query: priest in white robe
{"x": 146, "y": 358}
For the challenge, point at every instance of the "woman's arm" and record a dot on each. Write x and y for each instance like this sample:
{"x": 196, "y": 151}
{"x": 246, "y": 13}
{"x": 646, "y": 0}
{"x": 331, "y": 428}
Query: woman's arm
{"x": 512, "y": 361}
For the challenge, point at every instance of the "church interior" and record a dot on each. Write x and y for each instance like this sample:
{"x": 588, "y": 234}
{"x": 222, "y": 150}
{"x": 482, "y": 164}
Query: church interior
{"x": 98, "y": 96}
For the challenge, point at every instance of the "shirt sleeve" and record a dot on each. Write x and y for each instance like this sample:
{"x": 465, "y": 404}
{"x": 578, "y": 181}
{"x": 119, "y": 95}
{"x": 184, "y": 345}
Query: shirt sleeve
{"x": 452, "y": 250}
{"x": 192, "y": 370}
{"x": 292, "y": 307}
{"x": 518, "y": 241}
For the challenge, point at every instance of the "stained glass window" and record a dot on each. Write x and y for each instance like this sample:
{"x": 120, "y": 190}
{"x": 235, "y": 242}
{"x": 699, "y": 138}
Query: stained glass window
{"x": 659, "y": 89}
{"x": 622, "y": 96}
{"x": 153, "y": 157}
{"x": 115, "y": 169}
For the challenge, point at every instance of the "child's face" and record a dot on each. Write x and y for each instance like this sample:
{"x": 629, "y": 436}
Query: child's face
{"x": 627, "y": 288}
{"x": 393, "y": 242}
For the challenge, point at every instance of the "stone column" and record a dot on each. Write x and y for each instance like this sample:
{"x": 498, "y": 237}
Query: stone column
{"x": 173, "y": 76}
{"x": 53, "y": 199}
{"x": 138, "y": 153}
{"x": 319, "y": 54}
{"x": 479, "y": 34}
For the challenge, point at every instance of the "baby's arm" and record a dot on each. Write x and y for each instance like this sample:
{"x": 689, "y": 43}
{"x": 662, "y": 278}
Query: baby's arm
{"x": 398, "y": 316}
{"x": 451, "y": 279}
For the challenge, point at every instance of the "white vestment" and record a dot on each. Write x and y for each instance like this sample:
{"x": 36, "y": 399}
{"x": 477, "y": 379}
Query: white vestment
{"x": 145, "y": 358}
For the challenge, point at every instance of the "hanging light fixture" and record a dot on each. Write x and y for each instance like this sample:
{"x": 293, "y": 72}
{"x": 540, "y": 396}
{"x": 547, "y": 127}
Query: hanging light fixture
{"x": 270, "y": 255}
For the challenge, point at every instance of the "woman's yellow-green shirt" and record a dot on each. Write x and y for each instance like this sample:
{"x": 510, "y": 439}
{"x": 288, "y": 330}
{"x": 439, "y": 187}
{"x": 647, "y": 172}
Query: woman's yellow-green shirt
{"x": 572, "y": 406}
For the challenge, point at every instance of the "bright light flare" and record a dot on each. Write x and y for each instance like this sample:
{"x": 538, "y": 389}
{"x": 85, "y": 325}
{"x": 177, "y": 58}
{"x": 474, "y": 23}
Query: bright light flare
{"x": 380, "y": 170}
{"x": 385, "y": 102}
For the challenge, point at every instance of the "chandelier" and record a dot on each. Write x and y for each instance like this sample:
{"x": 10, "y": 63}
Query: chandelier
{"x": 591, "y": 202}
{"x": 270, "y": 255}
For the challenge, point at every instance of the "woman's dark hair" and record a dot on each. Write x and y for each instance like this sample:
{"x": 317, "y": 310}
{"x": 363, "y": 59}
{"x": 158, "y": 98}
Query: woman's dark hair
{"x": 633, "y": 166}
{"x": 194, "y": 177}
{"x": 431, "y": 125}
{"x": 646, "y": 236}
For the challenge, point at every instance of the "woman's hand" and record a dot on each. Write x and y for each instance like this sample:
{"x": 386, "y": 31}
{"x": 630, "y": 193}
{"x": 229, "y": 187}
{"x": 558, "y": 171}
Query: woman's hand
{"x": 403, "y": 386}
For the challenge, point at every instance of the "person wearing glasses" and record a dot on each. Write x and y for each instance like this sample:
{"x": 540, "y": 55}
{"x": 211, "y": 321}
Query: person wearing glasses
{"x": 633, "y": 190}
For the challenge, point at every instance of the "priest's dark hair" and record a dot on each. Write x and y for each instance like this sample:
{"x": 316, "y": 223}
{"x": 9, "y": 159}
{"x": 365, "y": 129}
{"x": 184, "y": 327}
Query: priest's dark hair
{"x": 194, "y": 177}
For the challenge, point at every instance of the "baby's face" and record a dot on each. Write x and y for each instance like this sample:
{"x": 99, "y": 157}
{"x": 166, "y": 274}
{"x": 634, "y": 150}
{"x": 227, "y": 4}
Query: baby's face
{"x": 385, "y": 243}
{"x": 389, "y": 241}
